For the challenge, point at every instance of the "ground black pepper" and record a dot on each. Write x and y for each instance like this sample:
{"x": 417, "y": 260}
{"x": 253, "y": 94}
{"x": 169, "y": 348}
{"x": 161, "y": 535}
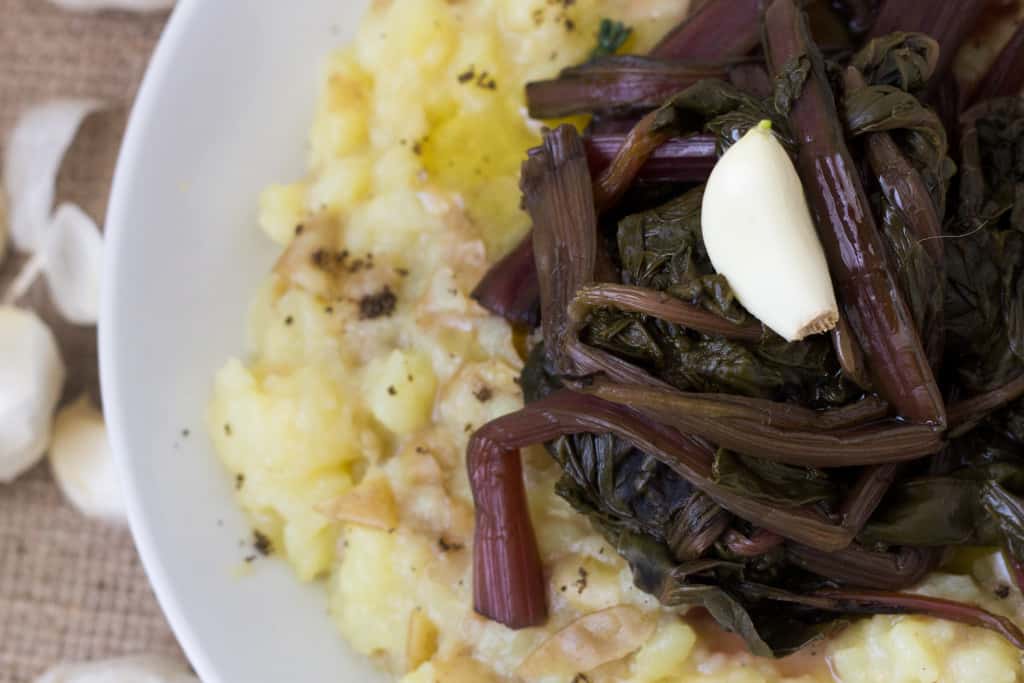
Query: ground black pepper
{"x": 484, "y": 394}
{"x": 377, "y": 305}
{"x": 447, "y": 546}
{"x": 581, "y": 583}
{"x": 261, "y": 543}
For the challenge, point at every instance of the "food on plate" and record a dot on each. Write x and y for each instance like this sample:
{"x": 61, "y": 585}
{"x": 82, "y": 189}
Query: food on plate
{"x": 634, "y": 341}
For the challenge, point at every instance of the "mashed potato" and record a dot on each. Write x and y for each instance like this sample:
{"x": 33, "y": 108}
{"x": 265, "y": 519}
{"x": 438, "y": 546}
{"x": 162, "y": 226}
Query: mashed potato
{"x": 346, "y": 426}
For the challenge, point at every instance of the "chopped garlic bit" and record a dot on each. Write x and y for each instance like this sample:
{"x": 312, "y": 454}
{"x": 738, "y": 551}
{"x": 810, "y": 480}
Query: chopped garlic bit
{"x": 420, "y": 641}
{"x": 83, "y": 464}
{"x": 313, "y": 261}
{"x": 130, "y": 5}
{"x": 136, "y": 669}
{"x": 591, "y": 641}
{"x": 371, "y": 504}
{"x": 759, "y": 234}
{"x": 31, "y": 379}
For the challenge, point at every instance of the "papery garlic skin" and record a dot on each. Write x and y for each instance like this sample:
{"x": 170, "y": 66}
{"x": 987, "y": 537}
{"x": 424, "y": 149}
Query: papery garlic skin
{"x": 31, "y": 380}
{"x": 33, "y": 155}
{"x": 4, "y": 228}
{"x": 759, "y": 234}
{"x": 83, "y": 463}
{"x": 137, "y": 669}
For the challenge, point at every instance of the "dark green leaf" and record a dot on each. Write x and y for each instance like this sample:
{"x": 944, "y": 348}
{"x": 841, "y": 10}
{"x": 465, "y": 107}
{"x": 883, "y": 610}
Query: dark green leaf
{"x": 1007, "y": 511}
{"x": 946, "y": 510}
{"x": 789, "y": 84}
{"x": 902, "y": 60}
{"x": 776, "y": 483}
{"x": 676, "y": 586}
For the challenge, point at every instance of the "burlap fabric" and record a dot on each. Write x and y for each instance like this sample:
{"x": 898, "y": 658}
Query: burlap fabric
{"x": 71, "y": 589}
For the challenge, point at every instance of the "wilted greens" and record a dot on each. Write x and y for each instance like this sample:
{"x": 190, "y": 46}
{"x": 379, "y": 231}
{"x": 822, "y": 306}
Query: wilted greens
{"x": 786, "y": 487}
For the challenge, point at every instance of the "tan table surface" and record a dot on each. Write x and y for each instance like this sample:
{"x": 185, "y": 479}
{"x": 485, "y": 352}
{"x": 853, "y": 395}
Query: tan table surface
{"x": 71, "y": 589}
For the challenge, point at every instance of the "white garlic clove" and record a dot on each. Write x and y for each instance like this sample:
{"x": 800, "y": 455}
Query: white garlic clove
{"x": 73, "y": 263}
{"x": 760, "y": 235}
{"x": 31, "y": 380}
{"x": 136, "y": 669}
{"x": 34, "y": 152}
{"x": 130, "y": 5}
{"x": 83, "y": 464}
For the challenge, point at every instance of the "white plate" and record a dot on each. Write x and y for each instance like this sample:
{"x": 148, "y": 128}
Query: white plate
{"x": 224, "y": 111}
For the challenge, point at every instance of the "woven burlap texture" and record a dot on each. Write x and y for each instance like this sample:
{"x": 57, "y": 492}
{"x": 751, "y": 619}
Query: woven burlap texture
{"x": 71, "y": 589}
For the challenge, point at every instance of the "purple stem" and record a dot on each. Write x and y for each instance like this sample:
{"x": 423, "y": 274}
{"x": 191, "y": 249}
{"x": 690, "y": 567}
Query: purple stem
{"x": 718, "y": 30}
{"x": 1006, "y": 76}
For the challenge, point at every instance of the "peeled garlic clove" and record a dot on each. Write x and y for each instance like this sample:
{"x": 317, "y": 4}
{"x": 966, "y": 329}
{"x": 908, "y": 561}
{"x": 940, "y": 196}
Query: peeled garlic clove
{"x": 760, "y": 235}
{"x": 137, "y": 669}
{"x": 83, "y": 464}
{"x": 31, "y": 380}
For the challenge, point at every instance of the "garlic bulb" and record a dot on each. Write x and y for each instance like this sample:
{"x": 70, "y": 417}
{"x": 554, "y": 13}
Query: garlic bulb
{"x": 760, "y": 235}
{"x": 83, "y": 464}
{"x": 137, "y": 669}
{"x": 31, "y": 380}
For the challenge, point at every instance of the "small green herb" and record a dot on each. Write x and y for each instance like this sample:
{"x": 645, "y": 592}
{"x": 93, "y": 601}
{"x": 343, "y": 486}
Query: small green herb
{"x": 610, "y": 37}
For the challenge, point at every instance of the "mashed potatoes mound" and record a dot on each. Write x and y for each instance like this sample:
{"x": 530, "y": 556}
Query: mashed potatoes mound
{"x": 346, "y": 426}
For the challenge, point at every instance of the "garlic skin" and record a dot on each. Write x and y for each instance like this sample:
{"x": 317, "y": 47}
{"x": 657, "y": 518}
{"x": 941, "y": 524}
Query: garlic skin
{"x": 760, "y": 235}
{"x": 137, "y": 669}
{"x": 31, "y": 380}
{"x": 83, "y": 464}
{"x": 4, "y": 229}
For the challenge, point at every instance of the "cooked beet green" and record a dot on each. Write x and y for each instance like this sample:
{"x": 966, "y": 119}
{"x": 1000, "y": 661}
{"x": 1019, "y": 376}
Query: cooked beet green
{"x": 719, "y": 29}
{"x": 868, "y": 292}
{"x": 787, "y": 488}
{"x": 949, "y": 23}
{"x": 614, "y": 85}
{"x": 1006, "y": 77}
